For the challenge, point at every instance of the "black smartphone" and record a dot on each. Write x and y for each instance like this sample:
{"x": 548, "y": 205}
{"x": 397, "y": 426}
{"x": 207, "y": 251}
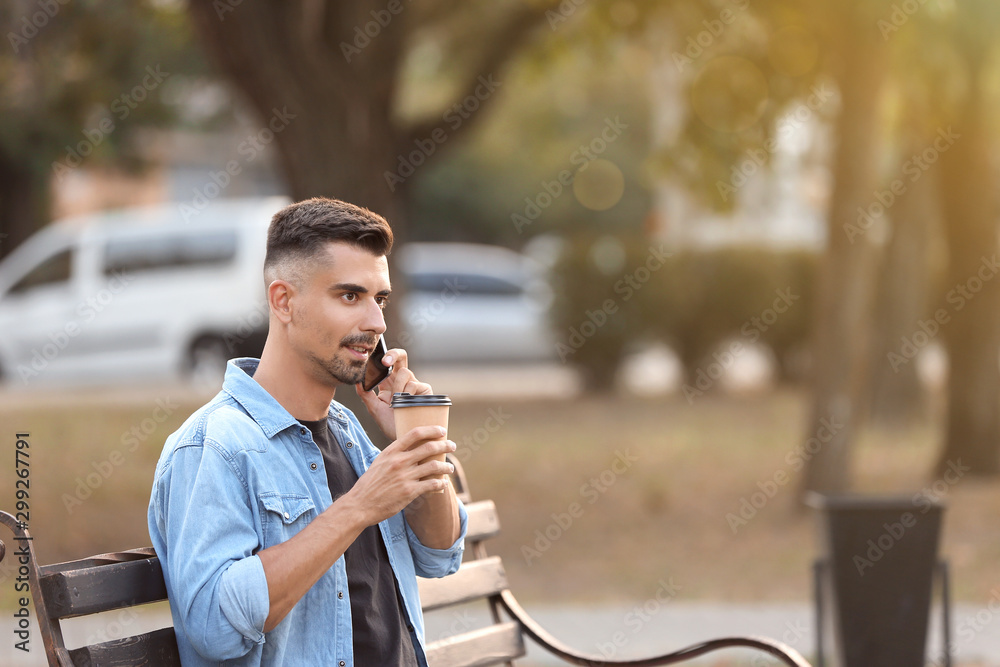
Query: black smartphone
{"x": 375, "y": 371}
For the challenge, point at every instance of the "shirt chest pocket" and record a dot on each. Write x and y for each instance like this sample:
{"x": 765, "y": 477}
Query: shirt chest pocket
{"x": 283, "y": 515}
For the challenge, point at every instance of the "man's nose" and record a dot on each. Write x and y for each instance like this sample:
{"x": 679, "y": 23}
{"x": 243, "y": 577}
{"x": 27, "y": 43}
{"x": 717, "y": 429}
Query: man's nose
{"x": 374, "y": 319}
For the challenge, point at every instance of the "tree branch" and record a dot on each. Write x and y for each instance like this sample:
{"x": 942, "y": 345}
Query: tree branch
{"x": 507, "y": 42}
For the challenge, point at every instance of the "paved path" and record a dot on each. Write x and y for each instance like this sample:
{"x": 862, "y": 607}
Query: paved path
{"x": 618, "y": 631}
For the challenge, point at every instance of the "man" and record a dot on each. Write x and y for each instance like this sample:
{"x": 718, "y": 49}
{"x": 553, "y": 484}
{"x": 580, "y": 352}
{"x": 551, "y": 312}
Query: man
{"x": 286, "y": 537}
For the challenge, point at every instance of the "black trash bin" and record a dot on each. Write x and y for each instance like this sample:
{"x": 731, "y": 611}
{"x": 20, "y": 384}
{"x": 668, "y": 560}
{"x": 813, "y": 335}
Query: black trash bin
{"x": 881, "y": 554}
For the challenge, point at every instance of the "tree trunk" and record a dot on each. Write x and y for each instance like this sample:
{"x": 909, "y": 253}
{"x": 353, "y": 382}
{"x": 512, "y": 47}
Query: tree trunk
{"x": 972, "y": 434}
{"x": 333, "y": 132}
{"x": 337, "y": 77}
{"x": 844, "y": 307}
{"x": 24, "y": 196}
{"x": 897, "y": 397}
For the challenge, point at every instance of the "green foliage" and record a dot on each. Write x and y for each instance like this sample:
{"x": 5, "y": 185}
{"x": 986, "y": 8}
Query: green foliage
{"x": 693, "y": 301}
{"x": 539, "y": 128}
{"x": 75, "y": 79}
{"x": 59, "y": 79}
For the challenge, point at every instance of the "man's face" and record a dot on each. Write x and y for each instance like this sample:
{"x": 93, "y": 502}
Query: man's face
{"x": 337, "y": 316}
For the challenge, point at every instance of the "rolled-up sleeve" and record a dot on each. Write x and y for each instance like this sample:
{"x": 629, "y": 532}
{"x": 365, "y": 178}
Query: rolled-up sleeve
{"x": 202, "y": 526}
{"x": 243, "y": 597}
{"x": 431, "y": 563}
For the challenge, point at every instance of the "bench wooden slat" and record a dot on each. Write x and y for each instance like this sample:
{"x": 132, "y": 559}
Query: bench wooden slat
{"x": 150, "y": 649}
{"x": 478, "y": 648}
{"x": 100, "y": 559}
{"x": 475, "y": 579}
{"x": 483, "y": 521}
{"x": 104, "y": 587}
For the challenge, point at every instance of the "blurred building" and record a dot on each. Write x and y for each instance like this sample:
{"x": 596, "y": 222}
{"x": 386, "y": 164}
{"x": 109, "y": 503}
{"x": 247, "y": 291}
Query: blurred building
{"x": 779, "y": 198}
{"x": 177, "y": 165}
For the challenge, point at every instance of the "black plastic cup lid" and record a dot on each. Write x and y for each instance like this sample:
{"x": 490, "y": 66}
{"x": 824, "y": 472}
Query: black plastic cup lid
{"x": 402, "y": 399}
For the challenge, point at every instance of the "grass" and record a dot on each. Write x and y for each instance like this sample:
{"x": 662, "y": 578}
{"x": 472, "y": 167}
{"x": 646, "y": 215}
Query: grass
{"x": 601, "y": 498}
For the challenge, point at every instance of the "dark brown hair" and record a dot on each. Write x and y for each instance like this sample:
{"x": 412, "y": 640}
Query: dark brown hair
{"x": 301, "y": 230}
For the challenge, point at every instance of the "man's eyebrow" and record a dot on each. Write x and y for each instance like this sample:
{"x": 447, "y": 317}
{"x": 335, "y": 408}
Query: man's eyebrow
{"x": 360, "y": 289}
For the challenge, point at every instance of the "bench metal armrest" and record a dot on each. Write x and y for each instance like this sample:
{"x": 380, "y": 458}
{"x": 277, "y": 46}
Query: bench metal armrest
{"x": 785, "y": 653}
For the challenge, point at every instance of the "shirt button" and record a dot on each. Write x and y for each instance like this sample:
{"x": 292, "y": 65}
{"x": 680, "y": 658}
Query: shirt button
{"x": 342, "y": 663}
{"x": 302, "y": 431}
{"x": 340, "y": 595}
{"x": 313, "y": 466}
{"x": 350, "y": 444}
{"x": 287, "y": 515}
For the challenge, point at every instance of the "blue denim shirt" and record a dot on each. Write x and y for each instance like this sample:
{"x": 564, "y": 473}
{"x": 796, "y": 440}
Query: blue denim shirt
{"x": 242, "y": 475}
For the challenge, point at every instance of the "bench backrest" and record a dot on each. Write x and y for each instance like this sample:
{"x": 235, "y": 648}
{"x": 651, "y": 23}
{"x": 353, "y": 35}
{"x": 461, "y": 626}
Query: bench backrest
{"x": 481, "y": 578}
{"x": 89, "y": 586}
{"x": 124, "y": 579}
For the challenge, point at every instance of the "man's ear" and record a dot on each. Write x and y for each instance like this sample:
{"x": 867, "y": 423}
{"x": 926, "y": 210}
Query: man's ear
{"x": 279, "y": 296}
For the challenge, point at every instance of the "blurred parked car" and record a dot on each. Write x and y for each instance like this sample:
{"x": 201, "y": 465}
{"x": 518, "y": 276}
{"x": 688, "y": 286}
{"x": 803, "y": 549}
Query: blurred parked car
{"x": 469, "y": 302}
{"x": 150, "y": 294}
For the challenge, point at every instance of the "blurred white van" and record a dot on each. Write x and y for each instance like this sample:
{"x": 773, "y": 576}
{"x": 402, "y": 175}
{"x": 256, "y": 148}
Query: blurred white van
{"x": 136, "y": 294}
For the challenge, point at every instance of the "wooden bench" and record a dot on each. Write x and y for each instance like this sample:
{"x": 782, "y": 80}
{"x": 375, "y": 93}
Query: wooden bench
{"x": 116, "y": 580}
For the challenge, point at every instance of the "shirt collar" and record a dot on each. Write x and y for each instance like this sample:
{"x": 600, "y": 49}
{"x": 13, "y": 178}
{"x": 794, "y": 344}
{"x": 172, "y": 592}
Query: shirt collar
{"x": 260, "y": 405}
{"x": 270, "y": 415}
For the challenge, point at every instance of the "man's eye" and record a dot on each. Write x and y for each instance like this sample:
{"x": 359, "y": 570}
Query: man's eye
{"x": 351, "y": 296}
{"x": 382, "y": 301}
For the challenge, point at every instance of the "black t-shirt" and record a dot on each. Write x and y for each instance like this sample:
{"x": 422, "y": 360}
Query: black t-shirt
{"x": 381, "y": 628}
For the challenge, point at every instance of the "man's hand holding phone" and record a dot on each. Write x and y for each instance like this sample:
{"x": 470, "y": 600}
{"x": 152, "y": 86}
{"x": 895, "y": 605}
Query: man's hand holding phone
{"x": 375, "y": 370}
{"x": 401, "y": 378}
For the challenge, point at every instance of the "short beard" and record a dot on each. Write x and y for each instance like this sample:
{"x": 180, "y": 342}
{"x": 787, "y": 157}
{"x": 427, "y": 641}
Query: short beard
{"x": 345, "y": 372}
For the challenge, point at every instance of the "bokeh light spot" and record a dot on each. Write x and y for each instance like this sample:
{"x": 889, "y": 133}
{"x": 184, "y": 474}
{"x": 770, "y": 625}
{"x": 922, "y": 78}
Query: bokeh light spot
{"x": 608, "y": 255}
{"x": 599, "y": 184}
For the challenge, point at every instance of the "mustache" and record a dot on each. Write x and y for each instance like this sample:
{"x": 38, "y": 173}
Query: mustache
{"x": 359, "y": 339}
